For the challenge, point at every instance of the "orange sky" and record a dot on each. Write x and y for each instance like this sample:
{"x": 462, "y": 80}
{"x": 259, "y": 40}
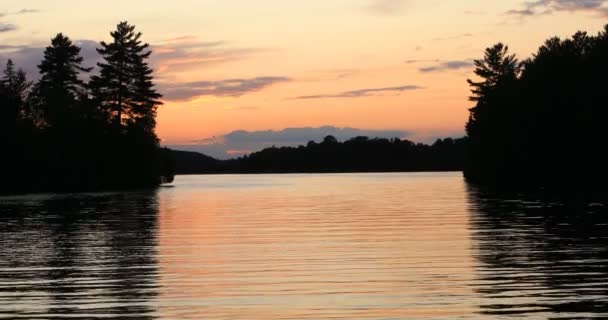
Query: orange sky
{"x": 352, "y": 58}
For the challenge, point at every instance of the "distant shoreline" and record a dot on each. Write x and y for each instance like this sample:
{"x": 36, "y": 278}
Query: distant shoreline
{"x": 305, "y": 173}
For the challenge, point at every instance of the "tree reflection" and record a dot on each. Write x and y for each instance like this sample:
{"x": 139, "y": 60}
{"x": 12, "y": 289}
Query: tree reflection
{"x": 539, "y": 256}
{"x": 79, "y": 256}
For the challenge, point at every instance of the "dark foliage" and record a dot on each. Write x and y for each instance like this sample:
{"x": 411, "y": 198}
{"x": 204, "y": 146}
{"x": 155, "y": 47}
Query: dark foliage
{"x": 124, "y": 90}
{"x": 194, "y": 163}
{"x": 359, "y": 154}
{"x": 540, "y": 123}
{"x": 62, "y": 133}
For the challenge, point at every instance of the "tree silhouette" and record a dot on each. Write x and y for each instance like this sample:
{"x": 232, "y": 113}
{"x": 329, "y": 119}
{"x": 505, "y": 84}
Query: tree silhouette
{"x": 59, "y": 88}
{"x": 68, "y": 135}
{"x": 14, "y": 88}
{"x": 541, "y": 123}
{"x": 124, "y": 87}
{"x": 489, "y": 126}
{"x": 14, "y": 124}
{"x": 497, "y": 66}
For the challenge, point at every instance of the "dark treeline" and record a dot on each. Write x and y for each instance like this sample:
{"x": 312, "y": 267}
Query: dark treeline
{"x": 541, "y": 123}
{"x": 360, "y": 154}
{"x": 63, "y": 133}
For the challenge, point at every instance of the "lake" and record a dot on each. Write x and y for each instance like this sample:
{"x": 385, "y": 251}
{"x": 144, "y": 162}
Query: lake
{"x": 334, "y": 246}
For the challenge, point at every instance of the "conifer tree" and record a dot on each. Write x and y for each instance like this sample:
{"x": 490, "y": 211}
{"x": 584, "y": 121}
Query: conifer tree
{"x": 491, "y": 119}
{"x": 60, "y": 87}
{"x": 124, "y": 88}
{"x": 14, "y": 88}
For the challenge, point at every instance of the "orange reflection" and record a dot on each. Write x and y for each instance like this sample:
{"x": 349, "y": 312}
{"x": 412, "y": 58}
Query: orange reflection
{"x": 306, "y": 247}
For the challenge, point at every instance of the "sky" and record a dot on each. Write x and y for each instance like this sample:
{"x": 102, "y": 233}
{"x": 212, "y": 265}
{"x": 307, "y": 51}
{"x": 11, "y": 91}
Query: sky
{"x": 241, "y": 75}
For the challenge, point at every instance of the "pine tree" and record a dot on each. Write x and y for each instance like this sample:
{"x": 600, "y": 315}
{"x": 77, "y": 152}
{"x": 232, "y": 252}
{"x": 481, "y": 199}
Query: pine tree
{"x": 491, "y": 120}
{"x": 497, "y": 65}
{"x": 497, "y": 69}
{"x": 124, "y": 88}
{"x": 14, "y": 88}
{"x": 60, "y": 87}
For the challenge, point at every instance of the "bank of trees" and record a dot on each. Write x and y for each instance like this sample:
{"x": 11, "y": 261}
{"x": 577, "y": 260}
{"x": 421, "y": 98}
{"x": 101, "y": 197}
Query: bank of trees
{"x": 63, "y": 132}
{"x": 541, "y": 122}
{"x": 359, "y": 154}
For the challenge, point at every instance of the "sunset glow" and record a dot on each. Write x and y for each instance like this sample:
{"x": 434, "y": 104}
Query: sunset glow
{"x": 269, "y": 65}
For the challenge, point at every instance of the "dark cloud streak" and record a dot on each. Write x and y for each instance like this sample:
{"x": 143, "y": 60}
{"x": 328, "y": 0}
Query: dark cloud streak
{"x": 459, "y": 36}
{"x": 7, "y": 27}
{"x": 539, "y": 7}
{"x": 181, "y": 54}
{"x": 221, "y": 88}
{"x": 448, "y": 66}
{"x": 361, "y": 92}
{"x": 26, "y": 11}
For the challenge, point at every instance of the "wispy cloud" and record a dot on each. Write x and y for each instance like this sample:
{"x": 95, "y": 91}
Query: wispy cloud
{"x": 7, "y": 27}
{"x": 221, "y": 88}
{"x": 454, "y": 37}
{"x": 240, "y": 142}
{"x": 521, "y": 12}
{"x": 18, "y": 12}
{"x": 182, "y": 54}
{"x": 29, "y": 56}
{"x": 362, "y": 92}
{"x": 448, "y": 66}
{"x": 532, "y": 8}
{"x": 5, "y": 47}
{"x": 169, "y": 58}
{"x": 386, "y": 7}
{"x": 26, "y": 11}
{"x": 414, "y": 61}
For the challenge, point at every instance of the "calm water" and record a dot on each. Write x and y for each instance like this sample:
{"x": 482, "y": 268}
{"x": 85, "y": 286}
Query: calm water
{"x": 357, "y": 246}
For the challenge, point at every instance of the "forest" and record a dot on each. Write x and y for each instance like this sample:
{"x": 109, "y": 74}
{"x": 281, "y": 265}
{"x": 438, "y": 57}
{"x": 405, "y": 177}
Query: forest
{"x": 62, "y": 133}
{"x": 359, "y": 154}
{"x": 535, "y": 124}
{"x": 540, "y": 123}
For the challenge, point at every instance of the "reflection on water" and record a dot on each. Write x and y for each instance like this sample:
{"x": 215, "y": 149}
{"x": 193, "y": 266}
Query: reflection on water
{"x": 316, "y": 247}
{"x": 84, "y": 256}
{"x": 355, "y": 246}
{"x": 546, "y": 260}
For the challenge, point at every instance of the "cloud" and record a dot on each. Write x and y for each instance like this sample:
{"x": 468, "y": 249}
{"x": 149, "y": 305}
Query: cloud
{"x": 7, "y": 27}
{"x": 25, "y": 11}
{"x": 386, "y": 7}
{"x": 28, "y": 57}
{"x": 458, "y": 36}
{"x": 169, "y": 57}
{"x": 182, "y": 54}
{"x": 361, "y": 92}
{"x": 413, "y": 61}
{"x": 531, "y": 8}
{"x": 240, "y": 142}
{"x": 6, "y": 47}
{"x": 448, "y": 66}
{"x": 19, "y": 12}
{"x": 521, "y": 12}
{"x": 222, "y": 88}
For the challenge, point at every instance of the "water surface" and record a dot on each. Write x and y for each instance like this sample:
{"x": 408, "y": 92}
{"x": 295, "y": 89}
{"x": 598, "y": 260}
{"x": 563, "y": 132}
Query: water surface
{"x": 352, "y": 246}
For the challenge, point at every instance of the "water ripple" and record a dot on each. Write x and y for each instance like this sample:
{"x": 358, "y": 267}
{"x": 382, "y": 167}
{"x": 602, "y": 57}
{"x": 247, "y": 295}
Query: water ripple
{"x": 355, "y": 246}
